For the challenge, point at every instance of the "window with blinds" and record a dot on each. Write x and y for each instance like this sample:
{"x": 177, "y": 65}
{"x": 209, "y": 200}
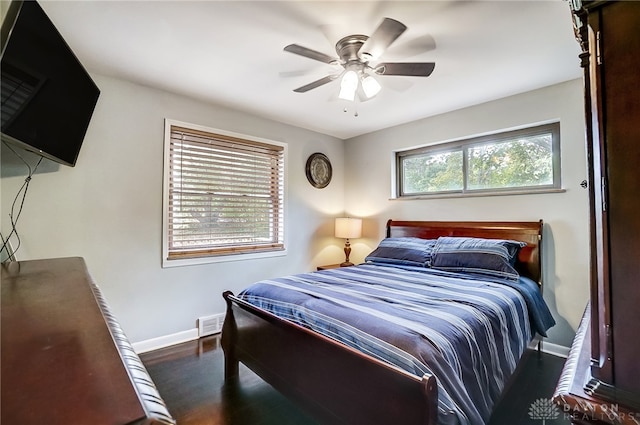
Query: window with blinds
{"x": 224, "y": 193}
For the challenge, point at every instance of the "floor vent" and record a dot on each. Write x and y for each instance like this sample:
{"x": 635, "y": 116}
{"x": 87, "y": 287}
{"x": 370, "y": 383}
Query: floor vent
{"x": 210, "y": 324}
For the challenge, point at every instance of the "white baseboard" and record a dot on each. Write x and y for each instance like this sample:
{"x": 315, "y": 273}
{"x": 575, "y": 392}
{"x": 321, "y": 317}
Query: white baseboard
{"x": 165, "y": 341}
{"x": 192, "y": 334}
{"x": 555, "y": 349}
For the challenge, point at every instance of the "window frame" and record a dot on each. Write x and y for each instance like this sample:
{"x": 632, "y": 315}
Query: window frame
{"x": 467, "y": 143}
{"x": 227, "y": 254}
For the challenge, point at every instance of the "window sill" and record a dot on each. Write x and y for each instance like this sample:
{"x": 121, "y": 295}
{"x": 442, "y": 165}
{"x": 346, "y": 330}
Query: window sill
{"x": 166, "y": 263}
{"x": 477, "y": 194}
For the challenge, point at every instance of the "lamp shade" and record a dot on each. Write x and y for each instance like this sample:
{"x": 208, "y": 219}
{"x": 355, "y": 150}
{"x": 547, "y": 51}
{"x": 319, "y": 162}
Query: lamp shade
{"x": 348, "y": 228}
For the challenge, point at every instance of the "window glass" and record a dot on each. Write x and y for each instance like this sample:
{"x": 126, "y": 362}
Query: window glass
{"x": 437, "y": 172}
{"x": 527, "y": 161}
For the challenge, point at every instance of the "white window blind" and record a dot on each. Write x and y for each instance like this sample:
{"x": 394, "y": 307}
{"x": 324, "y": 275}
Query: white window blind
{"x": 225, "y": 195}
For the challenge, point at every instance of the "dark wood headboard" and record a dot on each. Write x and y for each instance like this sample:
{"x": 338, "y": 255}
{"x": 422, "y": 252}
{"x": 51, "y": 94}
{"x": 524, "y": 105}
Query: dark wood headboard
{"x": 528, "y": 263}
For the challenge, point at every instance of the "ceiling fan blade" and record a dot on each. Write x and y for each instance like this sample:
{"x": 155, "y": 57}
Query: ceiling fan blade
{"x": 409, "y": 48}
{"x": 317, "y": 83}
{"x": 309, "y": 53}
{"x": 411, "y": 69}
{"x": 386, "y": 33}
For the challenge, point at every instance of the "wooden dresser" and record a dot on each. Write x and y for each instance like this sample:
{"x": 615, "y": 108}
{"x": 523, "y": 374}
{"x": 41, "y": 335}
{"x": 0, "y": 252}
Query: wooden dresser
{"x": 65, "y": 359}
{"x": 601, "y": 380}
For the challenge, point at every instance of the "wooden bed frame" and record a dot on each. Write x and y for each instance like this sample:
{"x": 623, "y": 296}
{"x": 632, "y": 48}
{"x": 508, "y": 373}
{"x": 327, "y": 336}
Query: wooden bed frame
{"x": 335, "y": 383}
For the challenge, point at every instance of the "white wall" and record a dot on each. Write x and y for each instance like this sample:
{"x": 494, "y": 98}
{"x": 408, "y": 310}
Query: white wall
{"x": 108, "y": 209}
{"x": 566, "y": 244}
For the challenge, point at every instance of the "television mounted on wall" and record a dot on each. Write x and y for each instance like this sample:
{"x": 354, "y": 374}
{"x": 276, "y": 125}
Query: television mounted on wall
{"x": 48, "y": 97}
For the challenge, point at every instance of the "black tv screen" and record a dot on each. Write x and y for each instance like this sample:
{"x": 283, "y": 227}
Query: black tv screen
{"x": 47, "y": 95}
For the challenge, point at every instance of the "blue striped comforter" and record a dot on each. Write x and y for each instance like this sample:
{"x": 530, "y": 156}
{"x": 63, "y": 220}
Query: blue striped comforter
{"x": 467, "y": 331}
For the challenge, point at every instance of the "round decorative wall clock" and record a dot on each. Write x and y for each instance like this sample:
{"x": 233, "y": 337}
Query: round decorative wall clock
{"x": 318, "y": 170}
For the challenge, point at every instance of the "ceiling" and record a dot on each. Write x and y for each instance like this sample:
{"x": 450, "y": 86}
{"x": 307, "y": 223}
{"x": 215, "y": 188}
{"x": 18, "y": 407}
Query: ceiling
{"x": 230, "y": 53}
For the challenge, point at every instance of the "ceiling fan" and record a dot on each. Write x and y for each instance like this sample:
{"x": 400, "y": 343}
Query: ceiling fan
{"x": 357, "y": 55}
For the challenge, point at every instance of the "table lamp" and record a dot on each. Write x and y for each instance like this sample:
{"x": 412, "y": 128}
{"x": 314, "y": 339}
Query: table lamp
{"x": 347, "y": 228}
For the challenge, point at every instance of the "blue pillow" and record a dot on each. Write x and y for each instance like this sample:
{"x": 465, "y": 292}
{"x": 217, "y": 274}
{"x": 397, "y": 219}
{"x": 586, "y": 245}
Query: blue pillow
{"x": 489, "y": 257}
{"x": 403, "y": 251}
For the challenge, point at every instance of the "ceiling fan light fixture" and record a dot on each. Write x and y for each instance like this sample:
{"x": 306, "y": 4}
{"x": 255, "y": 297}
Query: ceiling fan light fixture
{"x": 348, "y": 86}
{"x": 370, "y": 86}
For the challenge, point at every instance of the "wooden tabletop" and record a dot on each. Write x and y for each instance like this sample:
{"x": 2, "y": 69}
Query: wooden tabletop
{"x": 59, "y": 364}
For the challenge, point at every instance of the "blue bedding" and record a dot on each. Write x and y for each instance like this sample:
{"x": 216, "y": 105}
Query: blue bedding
{"x": 466, "y": 330}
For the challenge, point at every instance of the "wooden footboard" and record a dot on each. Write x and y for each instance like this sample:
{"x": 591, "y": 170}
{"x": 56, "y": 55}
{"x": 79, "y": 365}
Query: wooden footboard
{"x": 339, "y": 385}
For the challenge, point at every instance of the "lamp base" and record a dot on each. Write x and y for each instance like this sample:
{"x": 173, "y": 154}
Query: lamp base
{"x": 347, "y": 252}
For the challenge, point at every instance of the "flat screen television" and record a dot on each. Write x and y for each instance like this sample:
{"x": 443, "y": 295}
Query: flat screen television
{"x": 48, "y": 97}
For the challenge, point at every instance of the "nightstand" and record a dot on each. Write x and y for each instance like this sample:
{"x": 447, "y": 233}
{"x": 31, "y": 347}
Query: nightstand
{"x": 330, "y": 266}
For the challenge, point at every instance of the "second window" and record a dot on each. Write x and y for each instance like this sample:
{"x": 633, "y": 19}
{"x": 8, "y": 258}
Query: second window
{"x": 521, "y": 160}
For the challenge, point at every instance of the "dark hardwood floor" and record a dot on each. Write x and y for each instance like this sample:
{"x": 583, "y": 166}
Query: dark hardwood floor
{"x": 190, "y": 378}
